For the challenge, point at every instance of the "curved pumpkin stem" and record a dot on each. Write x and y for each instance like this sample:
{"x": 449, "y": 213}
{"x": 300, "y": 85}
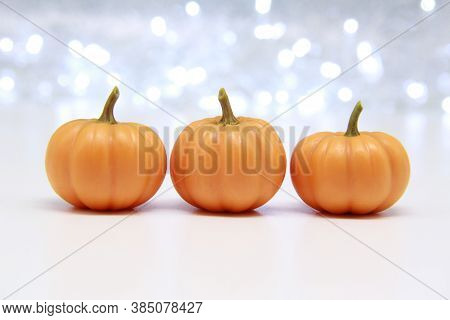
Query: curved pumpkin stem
{"x": 108, "y": 110}
{"x": 227, "y": 113}
{"x": 352, "y": 128}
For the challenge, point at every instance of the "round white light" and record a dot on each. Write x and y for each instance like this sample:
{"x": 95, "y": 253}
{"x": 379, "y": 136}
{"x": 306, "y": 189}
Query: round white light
{"x": 301, "y": 47}
{"x": 363, "y": 49}
{"x": 192, "y": 8}
{"x": 416, "y": 90}
{"x": 351, "y": 26}
{"x": 263, "y": 31}
{"x": 263, "y": 6}
{"x": 286, "y": 58}
{"x": 196, "y": 75}
{"x": 345, "y": 94}
{"x": 153, "y": 93}
{"x": 282, "y": 96}
{"x": 330, "y": 70}
{"x": 6, "y": 45}
{"x": 427, "y": 5}
{"x": 158, "y": 26}
{"x": 7, "y": 83}
{"x": 371, "y": 66}
{"x": 446, "y": 104}
{"x": 76, "y": 48}
{"x": 96, "y": 54}
{"x": 178, "y": 75}
{"x": 34, "y": 44}
{"x": 279, "y": 29}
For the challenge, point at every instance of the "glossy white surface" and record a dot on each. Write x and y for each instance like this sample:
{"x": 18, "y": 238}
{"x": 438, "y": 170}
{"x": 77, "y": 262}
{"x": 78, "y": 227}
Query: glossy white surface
{"x": 167, "y": 249}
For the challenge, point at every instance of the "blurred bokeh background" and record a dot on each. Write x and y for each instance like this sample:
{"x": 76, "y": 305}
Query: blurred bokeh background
{"x": 268, "y": 54}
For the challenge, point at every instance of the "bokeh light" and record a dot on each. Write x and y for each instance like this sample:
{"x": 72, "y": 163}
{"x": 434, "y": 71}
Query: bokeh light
{"x": 416, "y": 90}
{"x": 196, "y": 75}
{"x": 34, "y": 44}
{"x": 7, "y": 83}
{"x": 158, "y": 26}
{"x": 178, "y": 75}
{"x": 363, "y": 49}
{"x": 345, "y": 94}
{"x": 446, "y": 104}
{"x": 153, "y": 93}
{"x": 427, "y": 5}
{"x": 192, "y": 8}
{"x": 6, "y": 44}
{"x": 263, "y": 6}
{"x": 96, "y": 54}
{"x": 330, "y": 70}
{"x": 301, "y": 47}
{"x": 351, "y": 25}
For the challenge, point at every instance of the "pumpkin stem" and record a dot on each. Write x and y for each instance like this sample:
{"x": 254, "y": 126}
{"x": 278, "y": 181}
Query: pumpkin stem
{"x": 228, "y": 117}
{"x": 352, "y": 128}
{"x": 108, "y": 110}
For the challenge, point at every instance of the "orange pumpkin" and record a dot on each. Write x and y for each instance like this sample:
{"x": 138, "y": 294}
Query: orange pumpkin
{"x": 105, "y": 165}
{"x": 227, "y": 163}
{"x": 354, "y": 172}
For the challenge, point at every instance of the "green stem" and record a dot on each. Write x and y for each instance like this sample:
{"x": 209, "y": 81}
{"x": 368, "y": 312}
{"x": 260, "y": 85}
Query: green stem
{"x": 228, "y": 117}
{"x": 108, "y": 110}
{"x": 352, "y": 128}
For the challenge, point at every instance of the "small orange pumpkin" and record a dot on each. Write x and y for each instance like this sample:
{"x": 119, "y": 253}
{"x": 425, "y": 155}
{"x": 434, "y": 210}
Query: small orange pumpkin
{"x": 228, "y": 163}
{"x": 105, "y": 165}
{"x": 354, "y": 172}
